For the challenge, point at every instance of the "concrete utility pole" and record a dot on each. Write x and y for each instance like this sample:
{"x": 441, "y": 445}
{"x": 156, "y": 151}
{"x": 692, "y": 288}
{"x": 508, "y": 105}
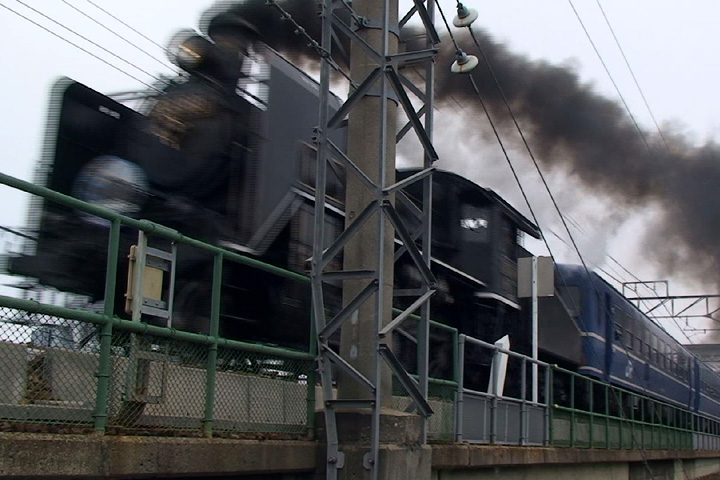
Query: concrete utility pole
{"x": 366, "y": 367}
{"x": 372, "y": 148}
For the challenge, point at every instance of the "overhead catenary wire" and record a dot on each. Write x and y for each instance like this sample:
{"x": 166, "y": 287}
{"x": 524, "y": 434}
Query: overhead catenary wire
{"x": 312, "y": 43}
{"x": 612, "y": 80}
{"x": 92, "y": 42}
{"x": 57, "y": 35}
{"x": 632, "y": 73}
{"x": 675, "y": 320}
{"x": 534, "y": 161}
{"x": 530, "y": 153}
{"x": 114, "y": 17}
{"x": 113, "y": 32}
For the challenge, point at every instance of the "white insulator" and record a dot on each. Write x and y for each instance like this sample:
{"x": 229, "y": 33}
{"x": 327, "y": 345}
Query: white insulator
{"x": 464, "y": 63}
{"x": 465, "y": 17}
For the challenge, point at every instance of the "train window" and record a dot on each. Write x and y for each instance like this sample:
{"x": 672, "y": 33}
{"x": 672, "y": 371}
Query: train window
{"x": 638, "y": 344}
{"x": 655, "y": 356}
{"x": 474, "y": 223}
{"x": 618, "y": 332}
{"x": 253, "y": 85}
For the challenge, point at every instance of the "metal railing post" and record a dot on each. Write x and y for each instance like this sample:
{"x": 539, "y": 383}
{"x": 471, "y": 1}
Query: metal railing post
{"x": 549, "y": 404}
{"x": 642, "y": 423}
{"x": 494, "y": 397}
{"x": 591, "y": 406}
{"x": 622, "y": 419}
{"x": 607, "y": 418}
{"x": 632, "y": 419}
{"x": 311, "y": 378}
{"x": 207, "y": 423}
{"x": 459, "y": 398}
{"x": 104, "y": 364}
{"x": 572, "y": 409}
{"x": 523, "y": 405}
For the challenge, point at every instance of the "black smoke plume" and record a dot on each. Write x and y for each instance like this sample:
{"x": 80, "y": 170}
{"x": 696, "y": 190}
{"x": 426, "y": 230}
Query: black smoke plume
{"x": 573, "y": 130}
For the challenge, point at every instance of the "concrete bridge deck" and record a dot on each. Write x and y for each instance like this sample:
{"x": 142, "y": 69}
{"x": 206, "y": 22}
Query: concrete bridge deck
{"x": 45, "y": 456}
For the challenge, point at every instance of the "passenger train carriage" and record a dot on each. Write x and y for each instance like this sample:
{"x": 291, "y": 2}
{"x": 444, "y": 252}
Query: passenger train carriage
{"x": 613, "y": 341}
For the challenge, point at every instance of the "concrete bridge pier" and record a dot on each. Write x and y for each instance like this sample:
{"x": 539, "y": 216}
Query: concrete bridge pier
{"x": 401, "y": 455}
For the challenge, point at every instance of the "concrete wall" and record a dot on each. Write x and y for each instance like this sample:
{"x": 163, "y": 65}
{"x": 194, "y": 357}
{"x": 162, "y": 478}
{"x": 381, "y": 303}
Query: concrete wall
{"x": 42, "y": 456}
{"x": 241, "y": 400}
{"x": 13, "y": 372}
{"x": 610, "y": 471}
{"x": 466, "y": 462}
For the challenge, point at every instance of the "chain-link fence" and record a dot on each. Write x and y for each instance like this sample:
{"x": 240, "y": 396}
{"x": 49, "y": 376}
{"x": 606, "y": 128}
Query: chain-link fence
{"x": 50, "y": 369}
{"x": 163, "y": 339}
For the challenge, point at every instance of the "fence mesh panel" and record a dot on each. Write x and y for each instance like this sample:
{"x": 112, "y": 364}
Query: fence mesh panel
{"x": 44, "y": 377}
{"x": 48, "y": 378}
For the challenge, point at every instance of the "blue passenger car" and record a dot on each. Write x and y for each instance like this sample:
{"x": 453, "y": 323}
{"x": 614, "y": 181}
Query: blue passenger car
{"x": 622, "y": 346}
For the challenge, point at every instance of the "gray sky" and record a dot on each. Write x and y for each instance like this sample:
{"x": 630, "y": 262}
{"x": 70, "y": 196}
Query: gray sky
{"x": 672, "y": 47}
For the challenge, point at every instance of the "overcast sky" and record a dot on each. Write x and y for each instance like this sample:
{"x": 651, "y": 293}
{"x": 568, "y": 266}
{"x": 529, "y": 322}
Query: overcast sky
{"x": 672, "y": 47}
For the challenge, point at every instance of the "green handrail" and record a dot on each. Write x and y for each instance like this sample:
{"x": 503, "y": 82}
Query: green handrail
{"x": 147, "y": 329}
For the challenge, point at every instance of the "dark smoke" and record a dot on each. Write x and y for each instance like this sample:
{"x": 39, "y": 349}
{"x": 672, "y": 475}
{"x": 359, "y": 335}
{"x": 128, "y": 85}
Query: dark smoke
{"x": 276, "y": 31}
{"x": 574, "y": 130}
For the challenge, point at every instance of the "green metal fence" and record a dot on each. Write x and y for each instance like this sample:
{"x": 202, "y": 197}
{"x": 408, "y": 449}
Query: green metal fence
{"x": 94, "y": 371}
{"x": 129, "y": 375}
{"x": 591, "y": 413}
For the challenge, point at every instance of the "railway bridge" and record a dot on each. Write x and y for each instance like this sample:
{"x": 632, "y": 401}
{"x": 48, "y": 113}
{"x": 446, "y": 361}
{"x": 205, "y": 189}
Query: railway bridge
{"x": 85, "y": 394}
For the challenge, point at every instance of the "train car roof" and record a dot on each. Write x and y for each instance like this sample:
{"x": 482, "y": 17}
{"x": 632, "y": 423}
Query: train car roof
{"x": 518, "y": 218}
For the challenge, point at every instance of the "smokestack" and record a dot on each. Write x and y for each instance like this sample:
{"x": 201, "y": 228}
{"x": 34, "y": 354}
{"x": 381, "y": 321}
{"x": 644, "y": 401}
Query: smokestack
{"x": 571, "y": 129}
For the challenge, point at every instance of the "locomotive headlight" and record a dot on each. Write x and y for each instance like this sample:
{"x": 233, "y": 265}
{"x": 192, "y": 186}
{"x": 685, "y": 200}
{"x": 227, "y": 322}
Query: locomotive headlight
{"x": 188, "y": 50}
{"x": 186, "y": 55}
{"x": 112, "y": 183}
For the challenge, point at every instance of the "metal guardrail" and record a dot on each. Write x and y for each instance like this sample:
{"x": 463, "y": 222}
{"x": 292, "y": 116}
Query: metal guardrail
{"x": 142, "y": 376}
{"x": 492, "y": 416}
{"x": 133, "y": 376}
{"x": 573, "y": 411}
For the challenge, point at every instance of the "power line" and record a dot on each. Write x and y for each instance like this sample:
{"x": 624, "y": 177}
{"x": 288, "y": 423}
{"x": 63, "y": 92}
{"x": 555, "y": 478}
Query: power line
{"x": 89, "y": 40}
{"x": 79, "y": 47}
{"x": 612, "y": 80}
{"x": 632, "y": 73}
{"x": 312, "y": 43}
{"x": 529, "y": 150}
{"x": 126, "y": 25}
{"x": 161, "y": 62}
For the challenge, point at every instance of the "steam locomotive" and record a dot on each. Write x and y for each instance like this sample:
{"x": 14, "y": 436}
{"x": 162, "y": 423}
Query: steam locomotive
{"x": 225, "y": 155}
